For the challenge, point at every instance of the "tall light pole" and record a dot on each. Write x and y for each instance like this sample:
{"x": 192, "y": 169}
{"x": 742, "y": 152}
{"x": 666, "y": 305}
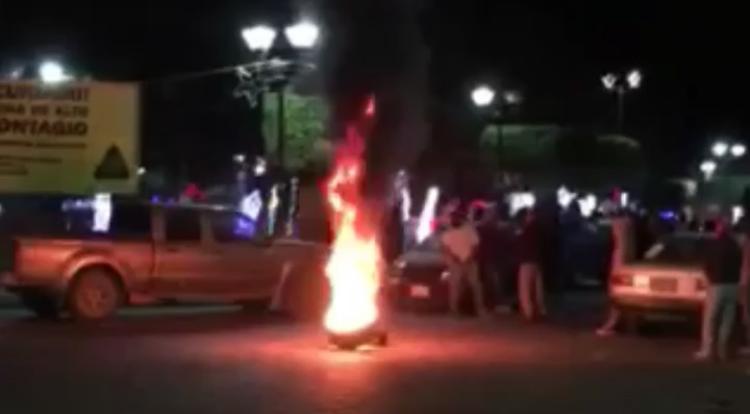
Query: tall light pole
{"x": 621, "y": 84}
{"x": 708, "y": 168}
{"x": 267, "y": 73}
{"x": 495, "y": 104}
{"x": 722, "y": 152}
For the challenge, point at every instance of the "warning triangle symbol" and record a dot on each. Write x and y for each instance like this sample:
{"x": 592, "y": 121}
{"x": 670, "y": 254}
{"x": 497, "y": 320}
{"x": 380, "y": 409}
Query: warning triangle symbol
{"x": 113, "y": 166}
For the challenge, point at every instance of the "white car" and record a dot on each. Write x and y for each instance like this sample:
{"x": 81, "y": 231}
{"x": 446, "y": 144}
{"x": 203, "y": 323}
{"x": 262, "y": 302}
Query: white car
{"x": 670, "y": 278}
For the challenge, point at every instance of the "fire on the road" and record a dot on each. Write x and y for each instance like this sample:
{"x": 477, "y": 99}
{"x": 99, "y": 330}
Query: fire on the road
{"x": 353, "y": 268}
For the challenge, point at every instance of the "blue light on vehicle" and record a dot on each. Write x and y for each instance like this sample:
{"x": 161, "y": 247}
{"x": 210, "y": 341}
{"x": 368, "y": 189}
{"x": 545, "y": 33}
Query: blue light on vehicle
{"x": 244, "y": 227}
{"x": 668, "y": 215}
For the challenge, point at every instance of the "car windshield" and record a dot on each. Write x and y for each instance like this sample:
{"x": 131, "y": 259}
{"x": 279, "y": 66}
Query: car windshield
{"x": 679, "y": 249}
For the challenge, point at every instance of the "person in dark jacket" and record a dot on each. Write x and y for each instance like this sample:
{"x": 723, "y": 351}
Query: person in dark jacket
{"x": 722, "y": 268}
{"x": 530, "y": 281}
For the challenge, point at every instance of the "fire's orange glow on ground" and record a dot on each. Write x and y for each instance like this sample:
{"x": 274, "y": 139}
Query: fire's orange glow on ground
{"x": 353, "y": 268}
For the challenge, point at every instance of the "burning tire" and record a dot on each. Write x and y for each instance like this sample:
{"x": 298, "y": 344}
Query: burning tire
{"x": 352, "y": 341}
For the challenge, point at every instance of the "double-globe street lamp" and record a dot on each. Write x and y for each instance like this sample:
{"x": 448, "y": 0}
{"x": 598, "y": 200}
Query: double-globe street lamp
{"x": 621, "y": 84}
{"x": 50, "y": 72}
{"x": 722, "y": 151}
{"x": 485, "y": 96}
{"x": 271, "y": 71}
{"x": 495, "y": 105}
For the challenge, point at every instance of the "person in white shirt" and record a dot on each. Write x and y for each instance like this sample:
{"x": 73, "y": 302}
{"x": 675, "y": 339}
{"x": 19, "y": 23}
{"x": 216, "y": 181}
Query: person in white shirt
{"x": 460, "y": 243}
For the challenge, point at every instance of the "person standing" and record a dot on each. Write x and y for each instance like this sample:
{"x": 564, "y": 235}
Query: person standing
{"x": 722, "y": 268}
{"x": 530, "y": 282}
{"x": 460, "y": 243}
{"x": 623, "y": 251}
{"x": 506, "y": 265}
{"x": 485, "y": 222}
{"x": 745, "y": 291}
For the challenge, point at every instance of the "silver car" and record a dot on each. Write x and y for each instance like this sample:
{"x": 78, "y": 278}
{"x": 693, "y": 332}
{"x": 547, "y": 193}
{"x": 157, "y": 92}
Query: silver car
{"x": 669, "y": 279}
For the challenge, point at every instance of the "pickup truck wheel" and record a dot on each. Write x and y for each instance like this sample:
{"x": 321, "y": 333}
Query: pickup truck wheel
{"x": 94, "y": 295}
{"x": 43, "y": 306}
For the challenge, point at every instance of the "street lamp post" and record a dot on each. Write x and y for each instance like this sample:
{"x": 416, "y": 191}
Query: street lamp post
{"x": 722, "y": 151}
{"x": 708, "y": 168}
{"x": 621, "y": 84}
{"x": 487, "y": 99}
{"x": 725, "y": 148}
{"x": 267, "y": 73}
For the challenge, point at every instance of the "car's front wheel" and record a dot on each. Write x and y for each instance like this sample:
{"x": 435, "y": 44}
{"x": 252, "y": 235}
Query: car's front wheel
{"x": 94, "y": 295}
{"x": 43, "y": 306}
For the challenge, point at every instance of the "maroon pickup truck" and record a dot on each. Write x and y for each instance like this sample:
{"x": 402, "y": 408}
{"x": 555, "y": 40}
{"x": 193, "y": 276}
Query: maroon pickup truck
{"x": 154, "y": 253}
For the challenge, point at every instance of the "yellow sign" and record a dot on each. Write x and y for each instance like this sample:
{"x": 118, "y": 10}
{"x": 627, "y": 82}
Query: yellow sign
{"x": 76, "y": 138}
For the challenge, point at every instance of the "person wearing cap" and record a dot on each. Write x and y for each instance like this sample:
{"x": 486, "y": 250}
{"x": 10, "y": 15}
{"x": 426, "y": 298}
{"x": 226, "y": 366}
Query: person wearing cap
{"x": 722, "y": 269}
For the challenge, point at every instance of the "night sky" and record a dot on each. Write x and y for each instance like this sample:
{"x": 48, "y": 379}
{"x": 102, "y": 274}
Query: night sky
{"x": 695, "y": 84}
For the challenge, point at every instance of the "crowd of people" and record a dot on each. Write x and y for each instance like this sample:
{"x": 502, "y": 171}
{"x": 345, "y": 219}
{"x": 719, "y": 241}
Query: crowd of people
{"x": 472, "y": 238}
{"x": 489, "y": 254}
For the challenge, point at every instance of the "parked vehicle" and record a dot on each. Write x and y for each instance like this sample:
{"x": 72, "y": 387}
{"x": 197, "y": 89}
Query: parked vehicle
{"x": 585, "y": 253}
{"x": 152, "y": 253}
{"x": 419, "y": 278}
{"x": 670, "y": 278}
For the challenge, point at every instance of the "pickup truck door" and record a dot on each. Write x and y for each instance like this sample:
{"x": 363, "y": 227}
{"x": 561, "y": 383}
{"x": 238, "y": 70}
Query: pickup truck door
{"x": 247, "y": 264}
{"x": 183, "y": 257}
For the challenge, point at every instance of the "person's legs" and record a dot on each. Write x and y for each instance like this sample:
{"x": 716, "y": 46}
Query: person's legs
{"x": 498, "y": 286}
{"x": 708, "y": 328}
{"x": 744, "y": 295}
{"x": 541, "y": 306}
{"x": 728, "y": 311}
{"x": 488, "y": 280}
{"x": 525, "y": 280}
{"x": 454, "y": 286}
{"x": 613, "y": 318}
{"x": 472, "y": 275}
{"x": 503, "y": 301}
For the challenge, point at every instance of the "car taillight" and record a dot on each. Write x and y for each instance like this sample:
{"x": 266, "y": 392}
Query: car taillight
{"x": 701, "y": 284}
{"x": 622, "y": 280}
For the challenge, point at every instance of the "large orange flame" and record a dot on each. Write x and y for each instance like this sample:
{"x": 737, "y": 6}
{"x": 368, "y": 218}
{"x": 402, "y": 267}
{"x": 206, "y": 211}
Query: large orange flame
{"x": 353, "y": 268}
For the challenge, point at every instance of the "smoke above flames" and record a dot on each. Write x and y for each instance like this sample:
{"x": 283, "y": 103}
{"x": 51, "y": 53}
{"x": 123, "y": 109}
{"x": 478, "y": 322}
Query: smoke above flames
{"x": 376, "y": 47}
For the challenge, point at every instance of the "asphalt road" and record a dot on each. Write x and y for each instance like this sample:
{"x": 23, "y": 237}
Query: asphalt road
{"x": 214, "y": 360}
